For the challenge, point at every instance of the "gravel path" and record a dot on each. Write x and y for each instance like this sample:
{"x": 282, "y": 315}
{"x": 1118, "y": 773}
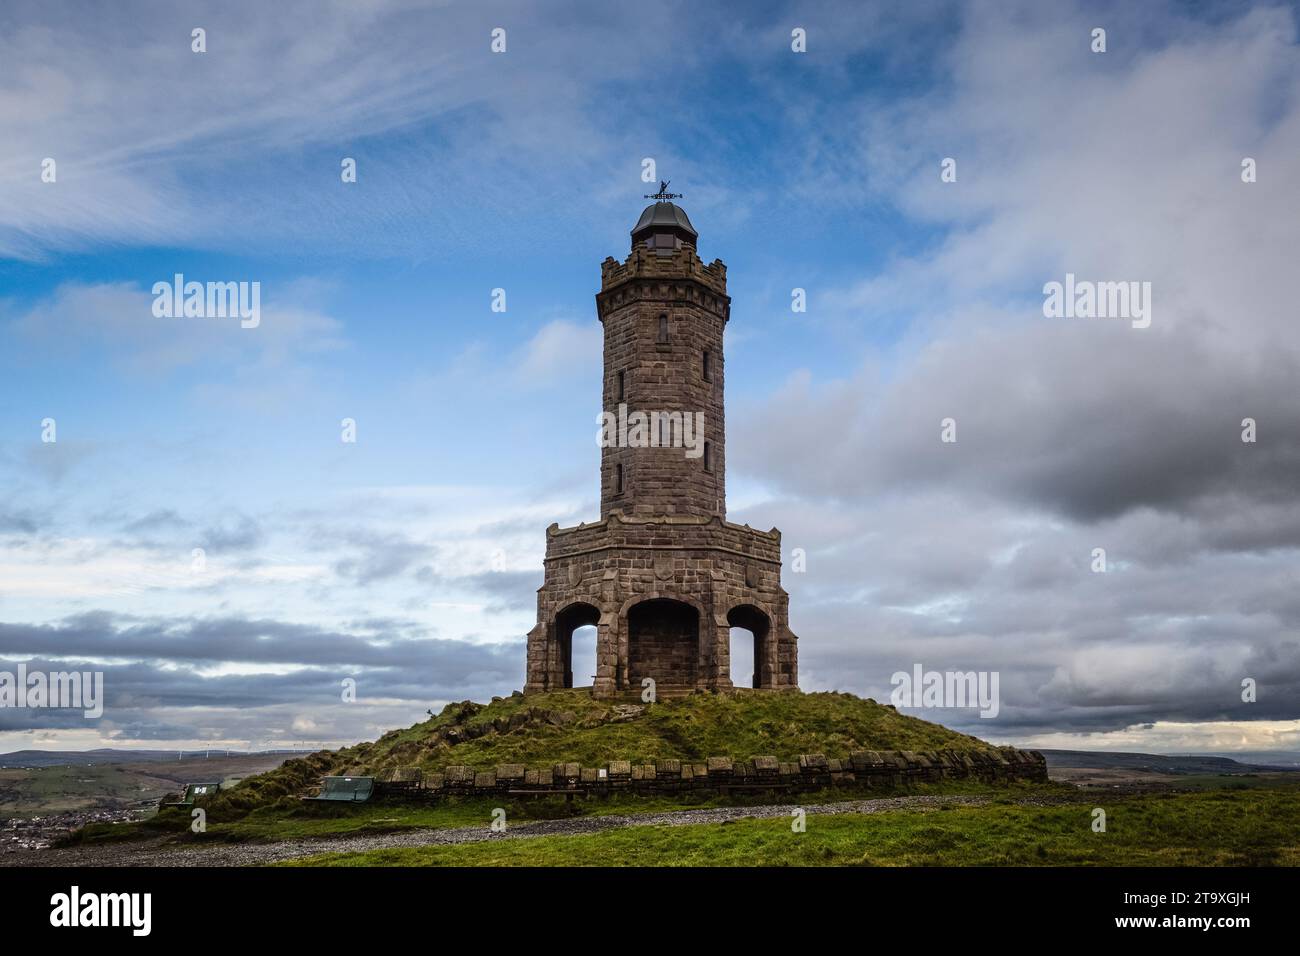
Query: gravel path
{"x": 154, "y": 853}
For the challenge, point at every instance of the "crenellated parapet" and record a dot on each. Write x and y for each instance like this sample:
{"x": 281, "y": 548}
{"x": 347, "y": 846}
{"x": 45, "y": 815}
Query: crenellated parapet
{"x": 682, "y": 274}
{"x": 663, "y": 532}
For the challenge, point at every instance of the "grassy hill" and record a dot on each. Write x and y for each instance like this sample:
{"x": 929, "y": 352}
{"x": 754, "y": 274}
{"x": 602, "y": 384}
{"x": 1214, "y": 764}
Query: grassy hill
{"x": 543, "y": 729}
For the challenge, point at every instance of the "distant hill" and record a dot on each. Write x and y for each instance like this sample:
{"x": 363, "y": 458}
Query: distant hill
{"x": 1153, "y": 763}
{"x": 64, "y": 758}
{"x": 45, "y": 782}
{"x": 1287, "y": 760}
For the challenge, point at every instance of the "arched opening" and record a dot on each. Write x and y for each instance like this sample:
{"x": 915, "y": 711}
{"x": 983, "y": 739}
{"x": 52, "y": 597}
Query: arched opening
{"x": 575, "y": 631}
{"x": 749, "y": 631}
{"x": 663, "y": 643}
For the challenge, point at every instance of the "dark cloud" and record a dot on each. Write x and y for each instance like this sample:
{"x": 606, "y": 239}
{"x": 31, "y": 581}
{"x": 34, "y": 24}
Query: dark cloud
{"x": 160, "y": 519}
{"x": 234, "y": 533}
{"x": 509, "y": 590}
{"x": 1075, "y": 420}
{"x": 374, "y": 556}
{"x": 52, "y": 462}
{"x": 21, "y": 521}
{"x": 211, "y": 641}
{"x": 164, "y": 680}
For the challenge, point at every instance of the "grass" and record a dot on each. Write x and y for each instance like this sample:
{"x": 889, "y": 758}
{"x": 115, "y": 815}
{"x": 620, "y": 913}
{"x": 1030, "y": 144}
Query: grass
{"x": 1252, "y": 827}
{"x": 297, "y": 820}
{"x": 741, "y": 724}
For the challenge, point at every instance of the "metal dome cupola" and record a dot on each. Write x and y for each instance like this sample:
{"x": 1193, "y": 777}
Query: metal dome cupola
{"x": 664, "y": 226}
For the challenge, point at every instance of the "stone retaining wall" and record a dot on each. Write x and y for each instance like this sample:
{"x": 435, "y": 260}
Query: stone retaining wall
{"x": 866, "y": 769}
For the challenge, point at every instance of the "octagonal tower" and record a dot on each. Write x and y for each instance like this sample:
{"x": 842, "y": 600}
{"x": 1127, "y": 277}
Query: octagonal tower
{"x": 662, "y": 575}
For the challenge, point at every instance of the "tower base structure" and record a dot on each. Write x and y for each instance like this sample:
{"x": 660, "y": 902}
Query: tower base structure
{"x": 663, "y": 593}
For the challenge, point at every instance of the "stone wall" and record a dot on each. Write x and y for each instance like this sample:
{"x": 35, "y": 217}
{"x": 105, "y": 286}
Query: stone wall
{"x": 663, "y": 645}
{"x": 863, "y": 769}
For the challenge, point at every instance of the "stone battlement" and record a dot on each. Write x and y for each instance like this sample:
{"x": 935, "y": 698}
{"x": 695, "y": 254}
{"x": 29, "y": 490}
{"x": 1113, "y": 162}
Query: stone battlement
{"x": 663, "y": 532}
{"x": 683, "y": 263}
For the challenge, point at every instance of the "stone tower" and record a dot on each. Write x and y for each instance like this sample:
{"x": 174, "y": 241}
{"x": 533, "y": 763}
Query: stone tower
{"x": 662, "y": 575}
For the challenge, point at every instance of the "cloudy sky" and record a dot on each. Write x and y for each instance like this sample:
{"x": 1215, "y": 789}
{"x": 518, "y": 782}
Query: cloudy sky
{"x": 408, "y": 560}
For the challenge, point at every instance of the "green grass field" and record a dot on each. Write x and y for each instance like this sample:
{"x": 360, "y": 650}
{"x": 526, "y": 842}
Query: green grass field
{"x": 298, "y": 820}
{"x": 43, "y": 790}
{"x": 1257, "y": 826}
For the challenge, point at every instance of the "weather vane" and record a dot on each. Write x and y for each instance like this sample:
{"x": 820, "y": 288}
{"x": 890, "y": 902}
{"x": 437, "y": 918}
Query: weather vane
{"x": 663, "y": 195}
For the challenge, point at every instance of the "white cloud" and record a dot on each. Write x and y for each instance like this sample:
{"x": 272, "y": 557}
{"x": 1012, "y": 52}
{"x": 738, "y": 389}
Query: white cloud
{"x": 1180, "y": 737}
{"x": 230, "y": 149}
{"x": 116, "y": 320}
{"x": 561, "y": 351}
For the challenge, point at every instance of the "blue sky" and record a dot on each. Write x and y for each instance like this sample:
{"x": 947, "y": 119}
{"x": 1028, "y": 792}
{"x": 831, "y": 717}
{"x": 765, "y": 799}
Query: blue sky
{"x": 409, "y": 559}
